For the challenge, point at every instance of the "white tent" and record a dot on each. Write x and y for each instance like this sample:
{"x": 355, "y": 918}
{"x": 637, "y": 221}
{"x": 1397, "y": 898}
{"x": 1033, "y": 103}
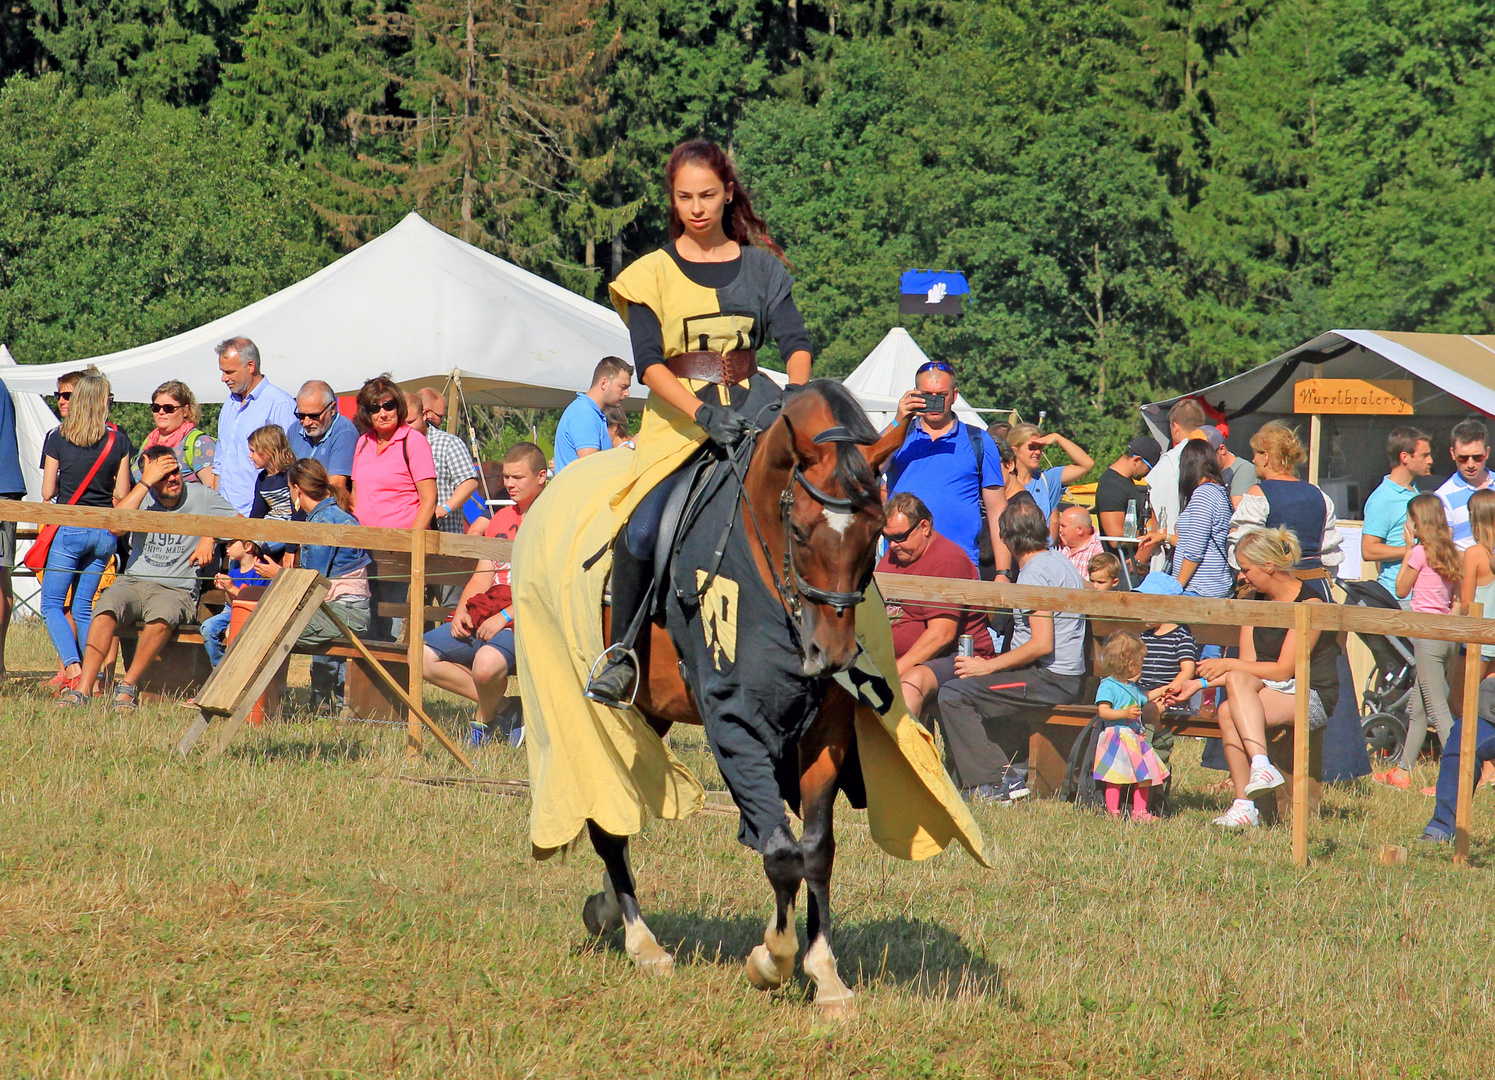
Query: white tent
{"x": 1452, "y": 376}
{"x": 415, "y": 302}
{"x": 888, "y": 372}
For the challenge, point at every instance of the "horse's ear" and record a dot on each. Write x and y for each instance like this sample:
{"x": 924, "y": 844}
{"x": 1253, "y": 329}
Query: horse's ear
{"x": 878, "y": 453}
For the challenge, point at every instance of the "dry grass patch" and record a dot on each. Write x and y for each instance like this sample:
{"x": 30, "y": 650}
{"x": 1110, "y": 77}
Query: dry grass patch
{"x": 289, "y": 910}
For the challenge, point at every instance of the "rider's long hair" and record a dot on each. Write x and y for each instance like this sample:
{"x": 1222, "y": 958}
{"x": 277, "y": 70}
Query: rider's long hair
{"x": 740, "y": 222}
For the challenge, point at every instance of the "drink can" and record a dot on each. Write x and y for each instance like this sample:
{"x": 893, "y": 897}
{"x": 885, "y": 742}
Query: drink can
{"x": 965, "y": 645}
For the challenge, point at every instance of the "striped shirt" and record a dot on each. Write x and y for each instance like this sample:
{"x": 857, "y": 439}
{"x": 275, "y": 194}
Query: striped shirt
{"x": 1165, "y": 655}
{"x": 1203, "y": 529}
{"x": 1455, "y": 494}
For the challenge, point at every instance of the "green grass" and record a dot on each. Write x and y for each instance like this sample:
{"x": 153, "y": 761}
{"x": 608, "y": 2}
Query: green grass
{"x": 293, "y": 909}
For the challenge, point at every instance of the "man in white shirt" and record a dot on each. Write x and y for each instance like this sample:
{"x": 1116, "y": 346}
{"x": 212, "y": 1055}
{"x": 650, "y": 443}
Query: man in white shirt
{"x": 1471, "y": 453}
{"x": 1185, "y": 419}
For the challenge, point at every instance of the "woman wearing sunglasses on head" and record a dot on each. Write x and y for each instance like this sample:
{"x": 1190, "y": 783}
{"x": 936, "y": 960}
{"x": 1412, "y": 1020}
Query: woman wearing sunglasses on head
{"x": 174, "y": 413}
{"x": 394, "y": 474}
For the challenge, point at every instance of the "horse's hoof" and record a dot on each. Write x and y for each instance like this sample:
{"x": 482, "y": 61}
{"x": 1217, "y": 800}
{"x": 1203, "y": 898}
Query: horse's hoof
{"x": 763, "y": 970}
{"x": 655, "y": 962}
{"x": 600, "y": 914}
{"x": 837, "y": 1008}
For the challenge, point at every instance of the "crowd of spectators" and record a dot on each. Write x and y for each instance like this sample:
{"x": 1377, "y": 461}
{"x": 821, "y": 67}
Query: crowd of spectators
{"x": 963, "y": 502}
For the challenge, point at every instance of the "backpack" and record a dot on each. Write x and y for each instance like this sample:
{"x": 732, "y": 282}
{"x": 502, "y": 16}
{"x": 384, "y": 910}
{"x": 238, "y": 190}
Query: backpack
{"x": 986, "y": 564}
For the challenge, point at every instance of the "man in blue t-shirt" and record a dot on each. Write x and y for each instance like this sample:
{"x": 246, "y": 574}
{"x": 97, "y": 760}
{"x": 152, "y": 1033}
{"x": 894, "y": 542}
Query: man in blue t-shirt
{"x": 583, "y": 427}
{"x": 1410, "y": 453}
{"x": 324, "y": 434}
{"x": 937, "y": 462}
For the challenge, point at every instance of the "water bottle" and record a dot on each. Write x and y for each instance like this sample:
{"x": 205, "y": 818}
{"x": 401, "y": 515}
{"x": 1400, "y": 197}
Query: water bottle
{"x": 1129, "y": 527}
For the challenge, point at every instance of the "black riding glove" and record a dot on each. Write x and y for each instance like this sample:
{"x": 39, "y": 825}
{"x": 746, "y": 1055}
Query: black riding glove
{"x": 723, "y": 426}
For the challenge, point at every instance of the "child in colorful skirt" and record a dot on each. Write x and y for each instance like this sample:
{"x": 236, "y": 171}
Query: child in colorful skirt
{"x": 1124, "y": 756}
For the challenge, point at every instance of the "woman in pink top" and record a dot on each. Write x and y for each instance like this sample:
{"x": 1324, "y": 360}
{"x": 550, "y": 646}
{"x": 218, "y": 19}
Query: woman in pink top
{"x": 1431, "y": 573}
{"x": 394, "y": 474}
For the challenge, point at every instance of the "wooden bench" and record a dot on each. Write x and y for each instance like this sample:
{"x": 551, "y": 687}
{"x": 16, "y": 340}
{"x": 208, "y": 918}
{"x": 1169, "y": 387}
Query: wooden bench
{"x": 182, "y": 666}
{"x": 1054, "y": 733}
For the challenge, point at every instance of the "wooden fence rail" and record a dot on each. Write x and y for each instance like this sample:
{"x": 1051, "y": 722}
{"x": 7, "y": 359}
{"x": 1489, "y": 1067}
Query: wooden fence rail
{"x": 1470, "y": 629}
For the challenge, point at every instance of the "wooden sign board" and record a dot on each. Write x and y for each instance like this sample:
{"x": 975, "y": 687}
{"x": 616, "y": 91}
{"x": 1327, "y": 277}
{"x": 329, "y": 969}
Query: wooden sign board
{"x": 1367, "y": 397}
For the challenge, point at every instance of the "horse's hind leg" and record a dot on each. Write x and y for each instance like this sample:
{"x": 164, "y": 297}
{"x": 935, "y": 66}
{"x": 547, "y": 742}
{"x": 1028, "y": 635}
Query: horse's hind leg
{"x": 822, "y": 753}
{"x": 771, "y": 963}
{"x": 616, "y": 905}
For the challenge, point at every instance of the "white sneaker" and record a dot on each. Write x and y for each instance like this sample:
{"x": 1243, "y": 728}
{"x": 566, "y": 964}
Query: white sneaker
{"x": 1239, "y": 817}
{"x": 1264, "y": 778}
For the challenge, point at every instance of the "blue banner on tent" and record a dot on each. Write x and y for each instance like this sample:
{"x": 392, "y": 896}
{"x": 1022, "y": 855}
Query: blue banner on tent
{"x": 931, "y": 292}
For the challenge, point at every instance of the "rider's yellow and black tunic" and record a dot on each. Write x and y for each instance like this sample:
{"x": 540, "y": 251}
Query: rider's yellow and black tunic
{"x": 673, "y": 307}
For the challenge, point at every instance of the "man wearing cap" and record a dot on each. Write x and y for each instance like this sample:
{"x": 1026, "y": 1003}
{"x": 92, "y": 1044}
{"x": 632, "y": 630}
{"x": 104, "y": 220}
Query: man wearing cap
{"x": 1238, "y": 473}
{"x": 953, "y": 468}
{"x": 1118, "y": 488}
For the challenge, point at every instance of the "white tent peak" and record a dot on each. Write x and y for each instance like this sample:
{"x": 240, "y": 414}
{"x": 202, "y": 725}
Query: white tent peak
{"x": 415, "y": 302}
{"x": 888, "y": 372}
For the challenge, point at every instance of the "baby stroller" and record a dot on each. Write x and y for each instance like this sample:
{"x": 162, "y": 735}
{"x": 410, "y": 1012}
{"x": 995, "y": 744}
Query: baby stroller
{"x": 1391, "y": 683}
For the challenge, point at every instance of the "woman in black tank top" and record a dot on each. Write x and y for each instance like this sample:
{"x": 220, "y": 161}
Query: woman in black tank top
{"x": 1260, "y": 683}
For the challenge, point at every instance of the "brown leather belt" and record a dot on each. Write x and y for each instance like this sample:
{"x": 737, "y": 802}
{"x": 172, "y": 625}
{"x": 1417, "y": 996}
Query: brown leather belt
{"x": 713, "y": 367}
{"x": 1311, "y": 573}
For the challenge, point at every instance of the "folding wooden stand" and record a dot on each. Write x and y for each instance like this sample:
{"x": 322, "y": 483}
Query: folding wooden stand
{"x": 261, "y": 647}
{"x": 255, "y": 655}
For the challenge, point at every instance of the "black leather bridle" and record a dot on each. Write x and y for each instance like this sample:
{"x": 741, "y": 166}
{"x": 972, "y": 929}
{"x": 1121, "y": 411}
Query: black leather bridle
{"x": 796, "y": 588}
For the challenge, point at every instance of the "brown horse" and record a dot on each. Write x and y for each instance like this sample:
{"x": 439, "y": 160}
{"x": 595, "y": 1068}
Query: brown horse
{"x": 811, "y": 511}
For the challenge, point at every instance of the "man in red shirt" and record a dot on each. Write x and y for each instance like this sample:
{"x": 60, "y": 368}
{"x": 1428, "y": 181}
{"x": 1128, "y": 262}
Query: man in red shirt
{"x": 924, "y": 635}
{"x": 473, "y": 654}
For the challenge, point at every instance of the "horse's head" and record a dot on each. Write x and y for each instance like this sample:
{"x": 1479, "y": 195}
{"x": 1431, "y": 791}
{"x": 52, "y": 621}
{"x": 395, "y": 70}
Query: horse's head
{"x": 821, "y": 485}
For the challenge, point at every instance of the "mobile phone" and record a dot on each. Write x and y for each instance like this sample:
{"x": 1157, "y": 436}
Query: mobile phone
{"x": 934, "y": 403}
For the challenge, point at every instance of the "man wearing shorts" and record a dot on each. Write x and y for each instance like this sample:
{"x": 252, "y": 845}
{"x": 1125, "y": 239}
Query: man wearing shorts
{"x": 473, "y": 654}
{"x": 924, "y": 635}
{"x": 159, "y": 586}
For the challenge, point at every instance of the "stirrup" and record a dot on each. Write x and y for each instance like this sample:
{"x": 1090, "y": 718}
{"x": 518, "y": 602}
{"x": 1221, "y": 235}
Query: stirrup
{"x": 617, "y": 650}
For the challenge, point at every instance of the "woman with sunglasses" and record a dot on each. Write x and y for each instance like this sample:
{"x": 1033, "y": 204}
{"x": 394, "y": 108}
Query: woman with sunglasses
{"x": 394, "y": 473}
{"x": 174, "y": 413}
{"x": 697, "y": 311}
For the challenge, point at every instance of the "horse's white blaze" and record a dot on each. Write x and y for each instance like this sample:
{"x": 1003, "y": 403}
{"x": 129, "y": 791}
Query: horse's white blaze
{"x": 838, "y": 521}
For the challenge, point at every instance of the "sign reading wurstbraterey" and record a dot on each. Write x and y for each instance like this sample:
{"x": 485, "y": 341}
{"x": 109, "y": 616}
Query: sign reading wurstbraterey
{"x": 1373, "y": 397}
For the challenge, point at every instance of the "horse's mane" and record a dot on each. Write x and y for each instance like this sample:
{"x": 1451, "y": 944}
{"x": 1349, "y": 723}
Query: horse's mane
{"x": 857, "y": 480}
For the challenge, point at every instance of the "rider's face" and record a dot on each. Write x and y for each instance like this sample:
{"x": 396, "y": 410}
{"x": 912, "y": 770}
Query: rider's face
{"x": 700, "y": 200}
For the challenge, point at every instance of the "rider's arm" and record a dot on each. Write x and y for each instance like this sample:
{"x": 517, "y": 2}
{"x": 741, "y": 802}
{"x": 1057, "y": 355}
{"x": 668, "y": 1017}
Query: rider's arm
{"x": 789, "y": 333}
{"x": 648, "y": 354}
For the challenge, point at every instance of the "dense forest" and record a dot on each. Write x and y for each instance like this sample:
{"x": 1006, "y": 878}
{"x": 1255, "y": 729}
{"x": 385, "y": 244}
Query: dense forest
{"x": 1144, "y": 193}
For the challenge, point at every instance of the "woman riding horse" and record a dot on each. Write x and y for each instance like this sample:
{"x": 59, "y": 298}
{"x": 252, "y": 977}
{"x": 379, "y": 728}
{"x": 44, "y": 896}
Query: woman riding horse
{"x": 768, "y": 629}
{"x": 697, "y": 311}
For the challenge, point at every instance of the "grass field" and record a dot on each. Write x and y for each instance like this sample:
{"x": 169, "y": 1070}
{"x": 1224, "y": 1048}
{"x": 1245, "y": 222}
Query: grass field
{"x": 295, "y": 909}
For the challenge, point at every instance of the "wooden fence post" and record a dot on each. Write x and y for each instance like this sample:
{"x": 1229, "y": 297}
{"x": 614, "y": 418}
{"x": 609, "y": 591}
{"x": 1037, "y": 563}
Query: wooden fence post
{"x": 1473, "y": 665}
{"x": 1303, "y": 627}
{"x": 415, "y": 630}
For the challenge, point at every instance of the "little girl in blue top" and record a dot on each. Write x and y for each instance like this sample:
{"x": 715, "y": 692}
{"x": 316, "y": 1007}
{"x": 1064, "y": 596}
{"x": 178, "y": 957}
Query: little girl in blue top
{"x": 1123, "y": 756}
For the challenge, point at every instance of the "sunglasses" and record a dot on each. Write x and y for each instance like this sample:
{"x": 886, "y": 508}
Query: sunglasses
{"x": 1035, "y": 446}
{"x": 1470, "y": 459}
{"x": 934, "y": 365}
{"x": 434, "y": 417}
{"x": 157, "y": 407}
{"x": 388, "y": 406}
{"x": 898, "y": 538}
{"x": 312, "y": 415}
{"x": 64, "y": 395}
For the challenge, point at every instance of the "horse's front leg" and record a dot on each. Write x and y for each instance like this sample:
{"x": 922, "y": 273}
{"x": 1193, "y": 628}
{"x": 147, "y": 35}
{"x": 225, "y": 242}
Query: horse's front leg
{"x": 770, "y": 964}
{"x": 617, "y": 906}
{"x": 822, "y": 753}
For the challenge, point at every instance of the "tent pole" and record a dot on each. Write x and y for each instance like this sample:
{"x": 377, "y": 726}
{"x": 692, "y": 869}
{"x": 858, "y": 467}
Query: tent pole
{"x": 1315, "y": 430}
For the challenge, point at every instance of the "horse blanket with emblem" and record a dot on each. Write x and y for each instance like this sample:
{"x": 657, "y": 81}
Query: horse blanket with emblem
{"x": 589, "y": 761}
